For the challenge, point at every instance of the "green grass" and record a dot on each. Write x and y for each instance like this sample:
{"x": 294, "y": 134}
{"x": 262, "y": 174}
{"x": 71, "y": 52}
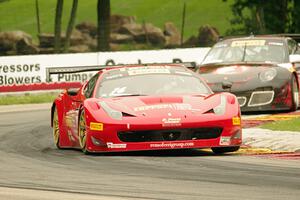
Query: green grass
{"x": 20, "y": 14}
{"x": 287, "y": 125}
{"x": 27, "y": 98}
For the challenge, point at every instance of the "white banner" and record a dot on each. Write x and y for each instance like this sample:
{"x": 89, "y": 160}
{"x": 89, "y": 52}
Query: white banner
{"x": 26, "y": 70}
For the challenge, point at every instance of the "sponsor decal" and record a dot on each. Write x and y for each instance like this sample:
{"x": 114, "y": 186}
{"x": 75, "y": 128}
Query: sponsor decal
{"x": 175, "y": 106}
{"x": 276, "y": 43}
{"x": 236, "y": 121}
{"x": 14, "y": 74}
{"x": 172, "y": 145}
{"x": 76, "y": 77}
{"x": 94, "y": 126}
{"x": 148, "y": 71}
{"x": 243, "y": 43}
{"x": 171, "y": 122}
{"x": 111, "y": 145}
{"x": 31, "y": 72}
{"x": 225, "y": 141}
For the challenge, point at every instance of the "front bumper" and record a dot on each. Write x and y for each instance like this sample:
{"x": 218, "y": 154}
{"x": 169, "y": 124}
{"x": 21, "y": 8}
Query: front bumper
{"x": 265, "y": 99}
{"x": 111, "y": 139}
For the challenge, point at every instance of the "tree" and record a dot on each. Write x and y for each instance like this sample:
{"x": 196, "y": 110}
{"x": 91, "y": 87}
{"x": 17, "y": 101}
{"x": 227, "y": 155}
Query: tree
{"x": 263, "y": 17}
{"x": 57, "y": 26}
{"x": 70, "y": 25}
{"x": 103, "y": 11}
{"x": 295, "y": 26}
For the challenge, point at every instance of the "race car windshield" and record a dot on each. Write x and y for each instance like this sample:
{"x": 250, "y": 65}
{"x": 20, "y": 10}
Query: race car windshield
{"x": 247, "y": 51}
{"x": 152, "y": 84}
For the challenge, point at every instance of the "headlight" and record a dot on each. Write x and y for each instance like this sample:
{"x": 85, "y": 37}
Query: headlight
{"x": 268, "y": 75}
{"x": 220, "y": 109}
{"x": 111, "y": 112}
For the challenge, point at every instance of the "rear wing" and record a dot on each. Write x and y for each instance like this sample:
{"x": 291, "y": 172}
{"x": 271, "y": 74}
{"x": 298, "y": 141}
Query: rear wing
{"x": 294, "y": 36}
{"x": 80, "y": 69}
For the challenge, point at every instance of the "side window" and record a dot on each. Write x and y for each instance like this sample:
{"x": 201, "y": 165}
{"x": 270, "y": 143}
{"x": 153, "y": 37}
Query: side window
{"x": 292, "y": 45}
{"x": 88, "y": 91}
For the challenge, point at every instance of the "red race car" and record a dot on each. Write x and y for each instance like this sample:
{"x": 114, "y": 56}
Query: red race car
{"x": 151, "y": 107}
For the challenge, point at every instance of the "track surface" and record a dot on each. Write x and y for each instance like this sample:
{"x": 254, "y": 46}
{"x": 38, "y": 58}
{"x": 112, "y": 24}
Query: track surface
{"x": 32, "y": 168}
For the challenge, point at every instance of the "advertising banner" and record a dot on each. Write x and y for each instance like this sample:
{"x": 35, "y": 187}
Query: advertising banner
{"x": 25, "y": 73}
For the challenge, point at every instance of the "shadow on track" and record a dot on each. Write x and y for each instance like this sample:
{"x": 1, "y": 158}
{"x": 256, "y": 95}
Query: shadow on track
{"x": 272, "y": 112}
{"x": 162, "y": 153}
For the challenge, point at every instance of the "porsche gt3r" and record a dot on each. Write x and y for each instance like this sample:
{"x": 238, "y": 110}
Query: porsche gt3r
{"x": 134, "y": 108}
{"x": 261, "y": 71}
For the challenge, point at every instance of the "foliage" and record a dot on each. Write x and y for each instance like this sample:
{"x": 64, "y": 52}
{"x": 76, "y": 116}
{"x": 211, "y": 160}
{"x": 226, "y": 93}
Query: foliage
{"x": 295, "y": 26}
{"x": 265, "y": 17}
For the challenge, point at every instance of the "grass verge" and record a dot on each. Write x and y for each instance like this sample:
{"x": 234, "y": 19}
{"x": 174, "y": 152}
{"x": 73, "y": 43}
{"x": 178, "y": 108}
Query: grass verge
{"x": 20, "y": 14}
{"x": 285, "y": 125}
{"x": 27, "y": 98}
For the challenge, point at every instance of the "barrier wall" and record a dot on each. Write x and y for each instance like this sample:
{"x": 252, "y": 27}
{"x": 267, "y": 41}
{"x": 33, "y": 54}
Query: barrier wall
{"x": 27, "y": 73}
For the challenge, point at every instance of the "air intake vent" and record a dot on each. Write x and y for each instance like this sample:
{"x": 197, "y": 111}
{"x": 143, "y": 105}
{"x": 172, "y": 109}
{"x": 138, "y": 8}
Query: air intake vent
{"x": 170, "y": 135}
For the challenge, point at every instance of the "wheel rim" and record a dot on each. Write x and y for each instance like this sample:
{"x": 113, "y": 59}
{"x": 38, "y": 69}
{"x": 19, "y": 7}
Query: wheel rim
{"x": 82, "y": 132}
{"x": 55, "y": 128}
{"x": 295, "y": 93}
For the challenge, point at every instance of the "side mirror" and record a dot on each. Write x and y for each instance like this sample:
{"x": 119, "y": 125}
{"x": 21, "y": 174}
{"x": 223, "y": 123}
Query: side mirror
{"x": 295, "y": 58}
{"x": 72, "y": 91}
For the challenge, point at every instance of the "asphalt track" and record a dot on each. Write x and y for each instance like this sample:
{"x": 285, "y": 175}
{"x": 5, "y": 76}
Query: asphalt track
{"x": 32, "y": 168}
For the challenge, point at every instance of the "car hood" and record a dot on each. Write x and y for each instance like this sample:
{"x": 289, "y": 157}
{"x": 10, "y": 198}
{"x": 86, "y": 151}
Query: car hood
{"x": 236, "y": 73}
{"x": 161, "y": 106}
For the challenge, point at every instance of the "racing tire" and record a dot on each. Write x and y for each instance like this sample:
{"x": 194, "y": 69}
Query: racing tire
{"x": 56, "y": 131}
{"x": 82, "y": 134}
{"x": 222, "y": 150}
{"x": 294, "y": 94}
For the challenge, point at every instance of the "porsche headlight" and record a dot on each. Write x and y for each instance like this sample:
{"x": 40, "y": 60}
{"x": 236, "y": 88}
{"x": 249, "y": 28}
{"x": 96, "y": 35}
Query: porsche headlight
{"x": 267, "y": 75}
{"x": 114, "y": 114}
{"x": 220, "y": 109}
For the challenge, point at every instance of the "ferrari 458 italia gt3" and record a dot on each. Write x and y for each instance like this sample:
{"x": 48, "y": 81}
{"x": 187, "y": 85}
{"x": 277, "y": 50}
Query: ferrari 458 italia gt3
{"x": 153, "y": 107}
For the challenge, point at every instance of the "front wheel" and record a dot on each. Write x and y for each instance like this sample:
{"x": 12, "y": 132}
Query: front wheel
{"x": 221, "y": 150}
{"x": 82, "y": 134}
{"x": 56, "y": 131}
{"x": 294, "y": 94}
